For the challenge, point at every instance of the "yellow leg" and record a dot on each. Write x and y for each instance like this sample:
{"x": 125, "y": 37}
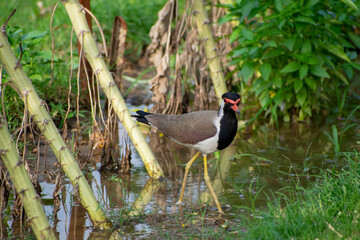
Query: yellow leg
{"x": 207, "y": 180}
{"x": 188, "y": 165}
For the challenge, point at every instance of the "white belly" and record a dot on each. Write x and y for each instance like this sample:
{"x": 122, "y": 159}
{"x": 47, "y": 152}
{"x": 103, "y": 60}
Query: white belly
{"x": 207, "y": 146}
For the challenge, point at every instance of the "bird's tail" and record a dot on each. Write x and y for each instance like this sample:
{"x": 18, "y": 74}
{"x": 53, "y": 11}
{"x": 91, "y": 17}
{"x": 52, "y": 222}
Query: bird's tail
{"x": 141, "y": 117}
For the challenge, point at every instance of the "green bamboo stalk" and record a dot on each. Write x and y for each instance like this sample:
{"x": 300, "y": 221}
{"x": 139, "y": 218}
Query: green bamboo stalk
{"x": 211, "y": 51}
{"x": 37, "y": 109}
{"x": 20, "y": 178}
{"x": 77, "y": 16}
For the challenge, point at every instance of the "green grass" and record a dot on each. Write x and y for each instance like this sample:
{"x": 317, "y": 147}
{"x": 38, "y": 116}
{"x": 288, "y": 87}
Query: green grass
{"x": 328, "y": 209}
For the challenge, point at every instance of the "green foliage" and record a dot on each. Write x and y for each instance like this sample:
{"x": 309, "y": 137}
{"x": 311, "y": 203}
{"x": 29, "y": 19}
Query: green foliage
{"x": 36, "y": 64}
{"x": 294, "y": 55}
{"x": 34, "y": 33}
{"x": 138, "y": 15}
{"x": 328, "y": 209}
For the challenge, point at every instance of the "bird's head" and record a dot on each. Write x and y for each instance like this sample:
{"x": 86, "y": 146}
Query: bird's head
{"x": 231, "y": 101}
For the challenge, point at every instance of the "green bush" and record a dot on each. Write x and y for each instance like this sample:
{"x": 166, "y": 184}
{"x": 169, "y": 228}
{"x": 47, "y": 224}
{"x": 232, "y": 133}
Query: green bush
{"x": 138, "y": 15}
{"x": 295, "y": 56}
{"x": 36, "y": 64}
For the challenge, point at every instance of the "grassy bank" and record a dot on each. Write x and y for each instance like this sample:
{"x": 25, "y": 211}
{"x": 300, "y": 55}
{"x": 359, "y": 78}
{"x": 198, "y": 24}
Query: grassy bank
{"x": 328, "y": 209}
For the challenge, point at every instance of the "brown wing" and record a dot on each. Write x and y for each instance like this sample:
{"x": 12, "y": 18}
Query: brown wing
{"x": 187, "y": 128}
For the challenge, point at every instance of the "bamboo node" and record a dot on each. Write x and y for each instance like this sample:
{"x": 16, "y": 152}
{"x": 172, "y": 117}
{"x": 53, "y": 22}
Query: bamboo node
{"x": 22, "y": 191}
{"x": 99, "y": 55}
{"x": 31, "y": 219}
{"x": 195, "y": 12}
{"x": 82, "y": 9}
{"x": 43, "y": 103}
{"x": 98, "y": 71}
{"x": 45, "y": 122}
{"x": 82, "y": 33}
{"x": 3, "y": 151}
{"x": 1, "y": 45}
{"x": 62, "y": 149}
{"x": 19, "y": 163}
{"x": 46, "y": 229}
{"x": 26, "y": 93}
{"x": 77, "y": 178}
{"x": 112, "y": 84}
{"x": 17, "y": 65}
{"x": 37, "y": 197}
{"x": 207, "y": 21}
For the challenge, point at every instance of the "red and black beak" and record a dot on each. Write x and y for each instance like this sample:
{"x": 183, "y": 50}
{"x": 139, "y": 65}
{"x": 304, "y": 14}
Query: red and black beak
{"x": 236, "y": 109}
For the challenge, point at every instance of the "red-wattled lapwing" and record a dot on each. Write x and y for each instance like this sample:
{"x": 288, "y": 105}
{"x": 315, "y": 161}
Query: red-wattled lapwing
{"x": 205, "y": 131}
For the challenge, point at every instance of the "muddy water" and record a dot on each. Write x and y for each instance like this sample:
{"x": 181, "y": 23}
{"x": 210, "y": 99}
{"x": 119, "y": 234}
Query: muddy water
{"x": 243, "y": 176}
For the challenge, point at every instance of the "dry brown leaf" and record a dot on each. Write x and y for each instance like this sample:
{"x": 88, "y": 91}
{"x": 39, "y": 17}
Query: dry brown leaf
{"x": 160, "y": 84}
{"x": 159, "y": 35}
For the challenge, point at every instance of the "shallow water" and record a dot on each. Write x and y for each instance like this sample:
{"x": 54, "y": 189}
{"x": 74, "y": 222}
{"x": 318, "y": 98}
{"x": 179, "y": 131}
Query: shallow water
{"x": 243, "y": 176}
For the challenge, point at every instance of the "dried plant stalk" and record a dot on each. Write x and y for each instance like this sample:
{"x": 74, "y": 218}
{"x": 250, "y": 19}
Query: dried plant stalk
{"x": 111, "y": 155}
{"x": 77, "y": 17}
{"x": 20, "y": 178}
{"x": 174, "y": 105}
{"x": 4, "y": 190}
{"x": 37, "y": 109}
{"x": 160, "y": 85}
{"x": 159, "y": 34}
{"x": 211, "y": 51}
{"x": 117, "y": 49}
{"x": 158, "y": 54}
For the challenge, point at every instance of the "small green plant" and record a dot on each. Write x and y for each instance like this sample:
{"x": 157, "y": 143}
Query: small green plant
{"x": 294, "y": 55}
{"x": 336, "y": 137}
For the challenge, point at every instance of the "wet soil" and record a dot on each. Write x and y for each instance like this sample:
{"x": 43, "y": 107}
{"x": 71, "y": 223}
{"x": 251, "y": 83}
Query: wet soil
{"x": 245, "y": 176}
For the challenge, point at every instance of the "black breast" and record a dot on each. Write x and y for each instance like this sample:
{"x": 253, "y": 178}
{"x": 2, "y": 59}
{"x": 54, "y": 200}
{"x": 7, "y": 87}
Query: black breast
{"x": 228, "y": 128}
